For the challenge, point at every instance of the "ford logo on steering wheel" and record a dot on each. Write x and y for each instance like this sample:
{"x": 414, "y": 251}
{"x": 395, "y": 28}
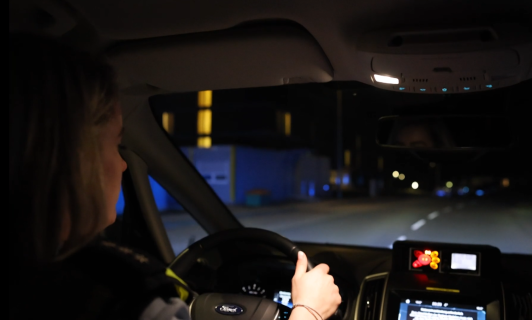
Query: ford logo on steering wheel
{"x": 229, "y": 309}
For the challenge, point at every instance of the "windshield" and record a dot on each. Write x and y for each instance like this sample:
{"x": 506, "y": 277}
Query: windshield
{"x": 302, "y": 160}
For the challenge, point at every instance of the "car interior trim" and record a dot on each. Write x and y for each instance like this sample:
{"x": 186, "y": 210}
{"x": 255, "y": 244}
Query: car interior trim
{"x": 139, "y": 175}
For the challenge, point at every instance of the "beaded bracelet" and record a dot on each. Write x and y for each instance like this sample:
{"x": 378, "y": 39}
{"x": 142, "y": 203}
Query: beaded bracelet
{"x": 312, "y": 311}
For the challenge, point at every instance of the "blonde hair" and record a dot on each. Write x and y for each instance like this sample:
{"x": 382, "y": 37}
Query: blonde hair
{"x": 58, "y": 101}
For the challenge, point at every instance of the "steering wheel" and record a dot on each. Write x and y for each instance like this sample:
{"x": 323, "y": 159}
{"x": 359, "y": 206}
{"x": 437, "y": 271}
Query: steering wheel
{"x": 218, "y": 306}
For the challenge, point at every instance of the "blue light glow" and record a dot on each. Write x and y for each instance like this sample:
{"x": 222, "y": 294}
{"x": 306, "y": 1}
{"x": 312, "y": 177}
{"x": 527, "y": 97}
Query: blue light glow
{"x": 460, "y": 192}
{"x": 489, "y": 86}
{"x": 326, "y": 187}
{"x": 465, "y": 189}
{"x": 480, "y": 193}
{"x": 345, "y": 180}
{"x": 444, "y": 89}
{"x": 423, "y": 89}
{"x": 467, "y": 88}
{"x": 440, "y": 193}
{"x": 120, "y": 204}
{"x": 311, "y": 189}
{"x": 337, "y": 180}
{"x": 401, "y": 88}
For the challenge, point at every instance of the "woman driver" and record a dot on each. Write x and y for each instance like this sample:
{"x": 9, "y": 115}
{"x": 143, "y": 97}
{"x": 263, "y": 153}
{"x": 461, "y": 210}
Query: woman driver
{"x": 65, "y": 170}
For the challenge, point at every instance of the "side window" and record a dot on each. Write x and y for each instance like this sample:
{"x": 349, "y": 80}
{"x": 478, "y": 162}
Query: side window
{"x": 181, "y": 228}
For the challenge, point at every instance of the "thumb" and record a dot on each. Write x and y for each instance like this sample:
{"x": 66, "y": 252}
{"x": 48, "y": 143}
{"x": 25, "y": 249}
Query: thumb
{"x": 301, "y": 265}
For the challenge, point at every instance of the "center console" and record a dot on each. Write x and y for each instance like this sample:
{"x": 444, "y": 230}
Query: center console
{"x": 435, "y": 281}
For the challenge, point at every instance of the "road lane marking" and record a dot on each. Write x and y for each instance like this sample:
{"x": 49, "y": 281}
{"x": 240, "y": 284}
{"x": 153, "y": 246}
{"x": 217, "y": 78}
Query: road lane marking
{"x": 433, "y": 215}
{"x": 418, "y": 224}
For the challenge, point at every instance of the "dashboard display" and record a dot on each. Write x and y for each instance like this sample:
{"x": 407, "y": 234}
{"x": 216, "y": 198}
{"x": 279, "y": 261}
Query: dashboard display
{"x": 429, "y": 260}
{"x": 439, "y": 310}
{"x": 284, "y": 298}
{"x": 464, "y": 261}
{"x": 254, "y": 290}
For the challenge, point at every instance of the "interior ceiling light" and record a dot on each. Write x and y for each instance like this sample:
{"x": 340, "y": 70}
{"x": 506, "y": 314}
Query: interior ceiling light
{"x": 385, "y": 79}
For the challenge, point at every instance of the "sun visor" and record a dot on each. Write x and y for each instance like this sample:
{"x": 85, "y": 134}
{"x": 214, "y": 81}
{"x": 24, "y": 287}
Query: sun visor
{"x": 234, "y": 58}
{"x": 446, "y": 61}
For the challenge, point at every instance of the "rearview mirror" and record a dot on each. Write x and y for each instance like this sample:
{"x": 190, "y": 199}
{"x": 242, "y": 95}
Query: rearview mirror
{"x": 441, "y": 133}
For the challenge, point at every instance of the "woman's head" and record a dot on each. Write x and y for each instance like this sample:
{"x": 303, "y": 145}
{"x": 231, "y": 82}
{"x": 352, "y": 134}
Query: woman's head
{"x": 65, "y": 126}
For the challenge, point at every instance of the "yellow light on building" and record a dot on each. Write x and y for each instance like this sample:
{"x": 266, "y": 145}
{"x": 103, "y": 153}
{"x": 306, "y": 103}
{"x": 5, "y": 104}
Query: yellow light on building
{"x": 204, "y": 118}
{"x": 204, "y": 121}
{"x": 205, "y": 99}
{"x": 204, "y": 142}
{"x": 168, "y": 122}
{"x": 347, "y": 158}
{"x": 287, "y": 124}
{"x": 333, "y": 177}
{"x": 505, "y": 182}
{"x": 402, "y": 176}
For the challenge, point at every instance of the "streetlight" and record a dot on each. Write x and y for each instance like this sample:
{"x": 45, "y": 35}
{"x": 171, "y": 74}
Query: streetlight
{"x": 395, "y": 174}
{"x": 415, "y": 185}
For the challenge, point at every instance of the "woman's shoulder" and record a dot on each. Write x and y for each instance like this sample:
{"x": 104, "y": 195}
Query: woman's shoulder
{"x": 103, "y": 280}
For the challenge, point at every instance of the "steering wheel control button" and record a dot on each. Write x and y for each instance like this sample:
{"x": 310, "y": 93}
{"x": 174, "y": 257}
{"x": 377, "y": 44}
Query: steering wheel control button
{"x": 229, "y": 309}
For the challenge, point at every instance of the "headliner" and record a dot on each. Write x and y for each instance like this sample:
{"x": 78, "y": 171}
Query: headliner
{"x": 335, "y": 25}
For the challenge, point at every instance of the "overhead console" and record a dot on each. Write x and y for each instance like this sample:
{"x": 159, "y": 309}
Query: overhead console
{"x": 446, "y": 61}
{"x": 435, "y": 281}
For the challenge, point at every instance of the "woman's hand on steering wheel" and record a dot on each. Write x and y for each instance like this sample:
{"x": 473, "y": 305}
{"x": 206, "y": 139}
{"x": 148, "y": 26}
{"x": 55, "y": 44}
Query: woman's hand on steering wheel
{"x": 314, "y": 289}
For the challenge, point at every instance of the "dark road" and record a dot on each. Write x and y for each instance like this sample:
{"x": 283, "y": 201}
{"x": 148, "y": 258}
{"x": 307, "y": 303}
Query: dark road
{"x": 380, "y": 222}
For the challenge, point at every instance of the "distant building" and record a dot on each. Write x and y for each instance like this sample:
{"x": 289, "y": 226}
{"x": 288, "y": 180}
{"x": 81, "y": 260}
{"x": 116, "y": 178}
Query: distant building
{"x": 237, "y": 173}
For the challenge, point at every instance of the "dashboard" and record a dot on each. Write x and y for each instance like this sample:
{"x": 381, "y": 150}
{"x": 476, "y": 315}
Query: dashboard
{"x": 436, "y": 281}
{"x": 267, "y": 277}
{"x": 413, "y": 281}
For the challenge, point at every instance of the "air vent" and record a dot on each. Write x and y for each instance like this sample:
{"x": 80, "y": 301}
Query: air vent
{"x": 468, "y": 79}
{"x": 519, "y": 305}
{"x": 420, "y": 80}
{"x": 370, "y": 299}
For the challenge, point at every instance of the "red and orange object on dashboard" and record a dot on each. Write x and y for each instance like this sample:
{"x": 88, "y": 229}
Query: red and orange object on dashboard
{"x": 427, "y": 258}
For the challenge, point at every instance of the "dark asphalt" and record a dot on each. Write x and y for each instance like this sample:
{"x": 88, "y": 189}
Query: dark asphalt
{"x": 380, "y": 222}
